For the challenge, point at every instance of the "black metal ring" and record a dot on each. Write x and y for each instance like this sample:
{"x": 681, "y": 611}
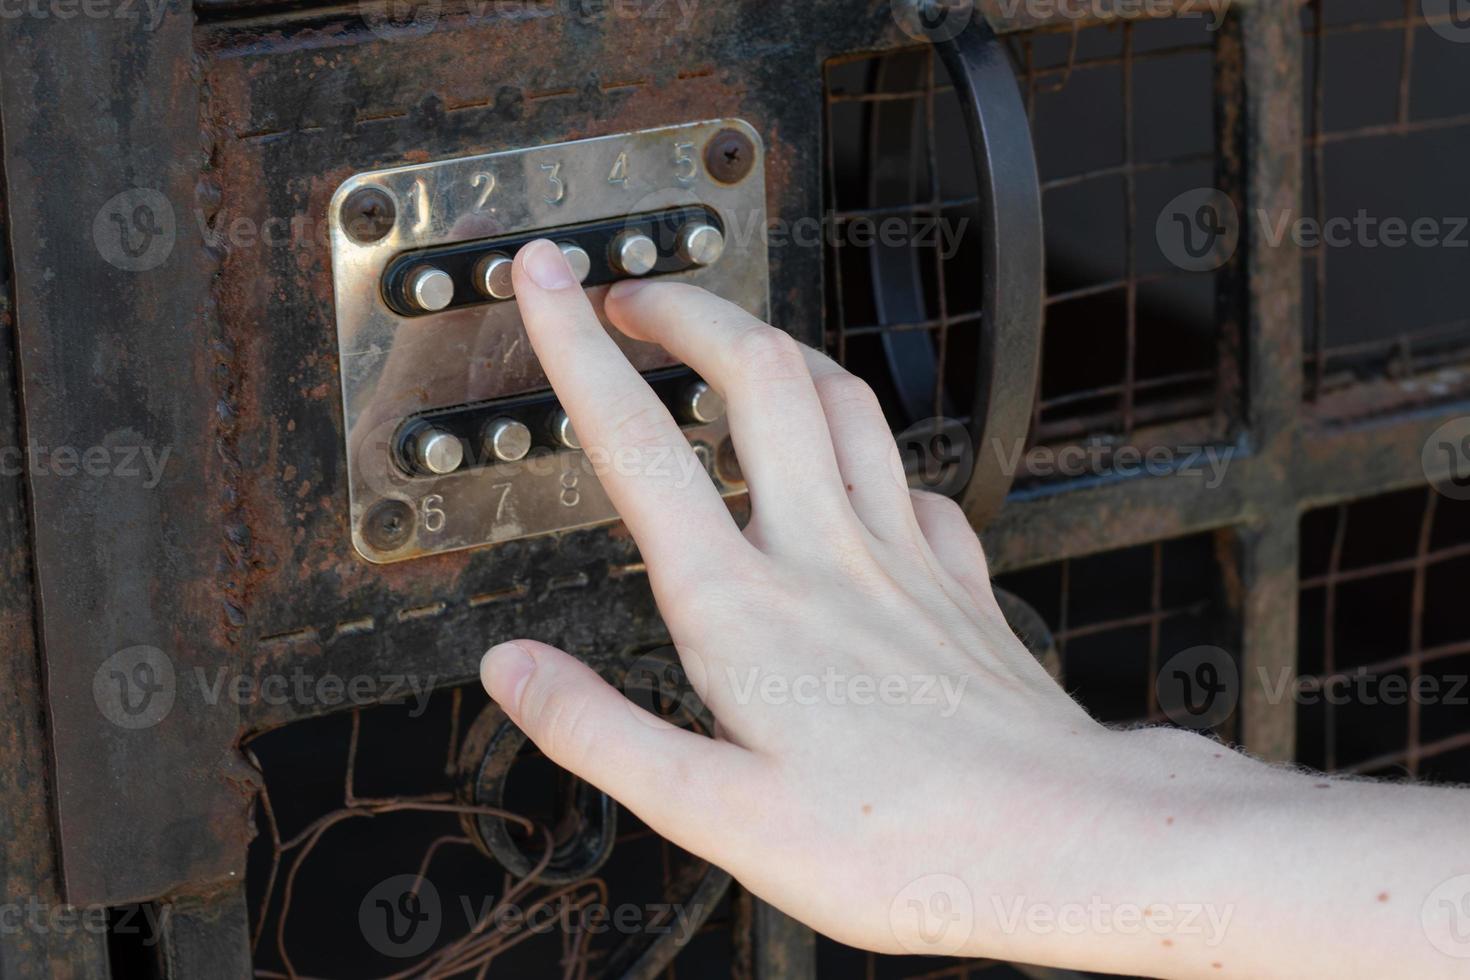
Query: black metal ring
{"x": 486, "y": 758}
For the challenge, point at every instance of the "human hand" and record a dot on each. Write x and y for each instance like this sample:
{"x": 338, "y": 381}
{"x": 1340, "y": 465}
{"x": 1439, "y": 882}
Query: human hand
{"x": 938, "y": 816}
{"x": 845, "y": 587}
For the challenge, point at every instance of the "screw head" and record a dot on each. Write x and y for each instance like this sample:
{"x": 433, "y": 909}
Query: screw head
{"x": 368, "y": 214}
{"x": 728, "y": 156}
{"x": 388, "y": 525}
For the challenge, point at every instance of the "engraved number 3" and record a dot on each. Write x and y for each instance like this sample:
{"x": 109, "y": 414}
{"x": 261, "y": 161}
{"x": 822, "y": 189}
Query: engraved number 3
{"x": 558, "y": 186}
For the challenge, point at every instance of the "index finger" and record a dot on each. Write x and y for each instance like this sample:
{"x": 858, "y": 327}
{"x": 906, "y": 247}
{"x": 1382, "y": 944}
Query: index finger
{"x": 643, "y": 460}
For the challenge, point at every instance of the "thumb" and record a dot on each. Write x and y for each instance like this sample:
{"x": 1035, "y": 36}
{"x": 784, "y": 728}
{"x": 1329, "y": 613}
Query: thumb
{"x": 664, "y": 774}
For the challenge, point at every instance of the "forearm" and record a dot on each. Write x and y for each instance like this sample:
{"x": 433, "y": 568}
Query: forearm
{"x": 1204, "y": 862}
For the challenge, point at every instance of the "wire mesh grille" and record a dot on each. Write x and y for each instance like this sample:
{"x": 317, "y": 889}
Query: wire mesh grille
{"x": 360, "y": 799}
{"x": 1117, "y": 619}
{"x": 1386, "y": 108}
{"x": 1384, "y": 646}
{"x": 1122, "y": 120}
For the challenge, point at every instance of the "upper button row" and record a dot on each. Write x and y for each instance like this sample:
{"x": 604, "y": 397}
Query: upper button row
{"x": 632, "y": 253}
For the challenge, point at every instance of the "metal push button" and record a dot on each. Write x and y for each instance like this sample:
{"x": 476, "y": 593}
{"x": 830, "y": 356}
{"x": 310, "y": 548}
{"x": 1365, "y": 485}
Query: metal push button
{"x": 702, "y": 403}
{"x": 492, "y": 276}
{"x": 562, "y": 431}
{"x": 438, "y": 452}
{"x": 577, "y": 258}
{"x": 507, "y": 439}
{"x": 701, "y": 244}
{"x": 634, "y": 253}
{"x": 430, "y": 289}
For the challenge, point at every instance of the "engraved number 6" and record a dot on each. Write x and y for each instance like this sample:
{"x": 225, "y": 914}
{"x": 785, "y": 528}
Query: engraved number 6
{"x": 432, "y": 510}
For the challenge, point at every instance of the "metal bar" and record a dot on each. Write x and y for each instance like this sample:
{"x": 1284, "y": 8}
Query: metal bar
{"x": 1267, "y": 564}
{"x": 207, "y": 936}
{"x": 771, "y": 945}
{"x": 29, "y": 857}
{"x": 121, "y": 842}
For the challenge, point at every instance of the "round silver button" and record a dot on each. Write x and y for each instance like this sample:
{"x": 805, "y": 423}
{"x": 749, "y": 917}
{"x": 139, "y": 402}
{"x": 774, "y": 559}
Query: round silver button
{"x": 438, "y": 452}
{"x": 508, "y": 439}
{"x": 430, "y": 289}
{"x": 634, "y": 253}
{"x": 561, "y": 428}
{"x": 492, "y": 276}
{"x": 701, "y": 244}
{"x": 702, "y": 403}
{"x": 577, "y": 258}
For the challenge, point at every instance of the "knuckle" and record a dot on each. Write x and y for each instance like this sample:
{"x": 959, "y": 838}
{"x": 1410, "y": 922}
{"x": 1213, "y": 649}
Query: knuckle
{"x": 763, "y": 353}
{"x": 940, "y": 508}
{"x": 640, "y": 428}
{"x": 848, "y": 394}
{"x": 563, "y": 721}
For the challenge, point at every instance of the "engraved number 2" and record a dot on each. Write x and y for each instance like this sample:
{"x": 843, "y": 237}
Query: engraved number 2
{"x": 486, "y": 181}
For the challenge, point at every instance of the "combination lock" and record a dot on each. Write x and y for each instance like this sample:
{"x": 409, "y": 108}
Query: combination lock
{"x": 454, "y": 438}
{"x": 449, "y": 277}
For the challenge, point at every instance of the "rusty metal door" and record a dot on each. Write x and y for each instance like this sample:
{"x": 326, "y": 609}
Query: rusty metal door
{"x": 184, "y": 608}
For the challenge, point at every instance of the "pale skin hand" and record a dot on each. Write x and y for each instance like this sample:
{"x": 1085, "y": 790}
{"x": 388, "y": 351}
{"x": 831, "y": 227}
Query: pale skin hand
{"x": 1003, "y": 822}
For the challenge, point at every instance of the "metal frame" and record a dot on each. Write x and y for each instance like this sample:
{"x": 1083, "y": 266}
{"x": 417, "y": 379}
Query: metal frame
{"x": 225, "y": 355}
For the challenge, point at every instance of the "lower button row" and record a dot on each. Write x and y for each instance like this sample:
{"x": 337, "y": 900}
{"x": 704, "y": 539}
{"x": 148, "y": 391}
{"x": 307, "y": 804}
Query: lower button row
{"x": 509, "y": 440}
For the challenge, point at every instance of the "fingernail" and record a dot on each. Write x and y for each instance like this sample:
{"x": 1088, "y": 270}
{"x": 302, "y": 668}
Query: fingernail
{"x": 504, "y": 671}
{"x": 625, "y": 289}
{"x": 547, "y": 266}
